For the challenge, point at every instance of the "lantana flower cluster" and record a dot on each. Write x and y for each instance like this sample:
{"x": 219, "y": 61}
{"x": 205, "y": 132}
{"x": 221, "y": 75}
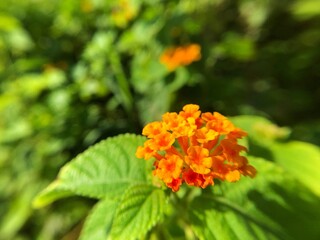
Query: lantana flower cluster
{"x": 180, "y": 56}
{"x": 195, "y": 148}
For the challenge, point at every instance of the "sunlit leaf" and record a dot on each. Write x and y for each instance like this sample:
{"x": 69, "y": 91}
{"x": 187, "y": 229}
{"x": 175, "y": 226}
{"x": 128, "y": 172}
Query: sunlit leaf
{"x": 104, "y": 170}
{"x": 142, "y": 206}
{"x": 271, "y": 206}
{"x": 53, "y": 192}
{"x": 306, "y": 8}
{"x": 260, "y": 129}
{"x": 302, "y": 160}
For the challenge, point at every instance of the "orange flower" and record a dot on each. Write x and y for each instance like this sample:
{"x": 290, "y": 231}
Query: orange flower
{"x": 161, "y": 142}
{"x": 144, "y": 152}
{"x": 153, "y": 129}
{"x": 169, "y": 168}
{"x": 218, "y": 123}
{"x": 198, "y": 180}
{"x": 198, "y": 159}
{"x": 233, "y": 176}
{"x": 180, "y": 56}
{"x": 195, "y": 148}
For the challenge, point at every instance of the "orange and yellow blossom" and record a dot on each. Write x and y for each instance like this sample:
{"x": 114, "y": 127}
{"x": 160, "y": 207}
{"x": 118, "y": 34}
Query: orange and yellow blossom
{"x": 180, "y": 56}
{"x": 169, "y": 168}
{"x": 195, "y": 148}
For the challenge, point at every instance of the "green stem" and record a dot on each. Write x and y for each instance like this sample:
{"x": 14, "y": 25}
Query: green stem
{"x": 123, "y": 83}
{"x": 182, "y": 205}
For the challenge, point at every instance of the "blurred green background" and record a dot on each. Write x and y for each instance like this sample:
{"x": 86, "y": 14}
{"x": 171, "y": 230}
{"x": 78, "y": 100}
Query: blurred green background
{"x": 73, "y": 72}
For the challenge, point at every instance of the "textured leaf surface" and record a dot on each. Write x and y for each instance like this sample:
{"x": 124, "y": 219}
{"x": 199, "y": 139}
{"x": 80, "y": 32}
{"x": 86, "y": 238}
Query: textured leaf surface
{"x": 302, "y": 160}
{"x": 141, "y": 208}
{"x": 104, "y": 170}
{"x": 99, "y": 221}
{"x": 271, "y": 206}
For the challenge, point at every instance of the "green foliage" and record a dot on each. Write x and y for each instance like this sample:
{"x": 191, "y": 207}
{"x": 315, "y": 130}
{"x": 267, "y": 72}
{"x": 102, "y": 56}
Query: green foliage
{"x": 141, "y": 207}
{"x": 306, "y": 9}
{"x": 106, "y": 169}
{"x": 74, "y": 72}
{"x": 99, "y": 222}
{"x": 300, "y": 159}
{"x": 274, "y": 205}
{"x": 109, "y": 172}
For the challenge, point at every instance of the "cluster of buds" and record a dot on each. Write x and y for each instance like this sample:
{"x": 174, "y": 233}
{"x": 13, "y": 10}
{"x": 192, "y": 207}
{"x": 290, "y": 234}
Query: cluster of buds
{"x": 195, "y": 148}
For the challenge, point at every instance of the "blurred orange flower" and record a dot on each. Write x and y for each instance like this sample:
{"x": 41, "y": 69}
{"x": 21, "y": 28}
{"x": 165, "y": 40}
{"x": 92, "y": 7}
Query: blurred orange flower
{"x": 195, "y": 148}
{"x": 180, "y": 56}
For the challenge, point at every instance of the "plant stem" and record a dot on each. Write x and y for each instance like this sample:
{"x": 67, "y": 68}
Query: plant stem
{"x": 123, "y": 84}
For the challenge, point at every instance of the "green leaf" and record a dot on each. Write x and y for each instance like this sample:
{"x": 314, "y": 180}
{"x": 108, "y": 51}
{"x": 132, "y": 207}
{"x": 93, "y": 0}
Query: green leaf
{"x": 271, "y": 206}
{"x": 53, "y": 192}
{"x": 306, "y": 9}
{"x": 99, "y": 221}
{"x": 260, "y": 129}
{"x": 262, "y": 134}
{"x": 300, "y": 159}
{"x": 142, "y": 206}
{"x": 104, "y": 170}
